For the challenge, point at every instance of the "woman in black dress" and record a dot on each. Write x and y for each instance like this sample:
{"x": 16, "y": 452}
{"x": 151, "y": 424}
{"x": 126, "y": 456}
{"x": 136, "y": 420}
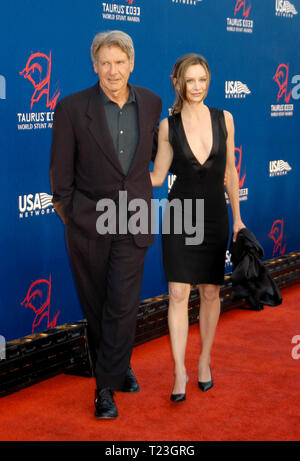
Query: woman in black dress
{"x": 196, "y": 143}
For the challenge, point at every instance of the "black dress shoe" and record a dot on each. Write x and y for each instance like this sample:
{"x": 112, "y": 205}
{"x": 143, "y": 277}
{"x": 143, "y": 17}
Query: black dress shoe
{"x": 177, "y": 397}
{"x": 205, "y": 386}
{"x": 105, "y": 405}
{"x": 130, "y": 383}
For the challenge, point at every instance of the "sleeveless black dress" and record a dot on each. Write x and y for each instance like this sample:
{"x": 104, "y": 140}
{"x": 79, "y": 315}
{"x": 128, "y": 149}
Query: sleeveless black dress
{"x": 201, "y": 263}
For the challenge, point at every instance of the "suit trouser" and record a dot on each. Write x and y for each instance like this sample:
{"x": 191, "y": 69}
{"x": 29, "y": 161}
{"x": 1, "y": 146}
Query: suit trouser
{"x": 108, "y": 274}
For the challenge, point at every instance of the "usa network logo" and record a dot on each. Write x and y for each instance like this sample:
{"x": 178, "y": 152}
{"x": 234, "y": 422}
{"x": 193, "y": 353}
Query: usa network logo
{"x": 285, "y": 9}
{"x": 38, "y": 204}
{"x": 278, "y": 168}
{"x": 38, "y": 72}
{"x": 121, "y": 11}
{"x": 187, "y": 2}
{"x": 288, "y": 89}
{"x": 236, "y": 89}
{"x": 241, "y": 21}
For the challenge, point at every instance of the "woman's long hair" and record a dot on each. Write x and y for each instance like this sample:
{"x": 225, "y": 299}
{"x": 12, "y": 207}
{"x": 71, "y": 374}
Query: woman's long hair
{"x": 178, "y": 75}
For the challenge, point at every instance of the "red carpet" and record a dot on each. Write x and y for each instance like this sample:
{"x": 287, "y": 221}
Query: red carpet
{"x": 256, "y": 394}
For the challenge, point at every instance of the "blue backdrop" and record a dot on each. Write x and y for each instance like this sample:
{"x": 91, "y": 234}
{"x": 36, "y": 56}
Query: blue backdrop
{"x": 253, "y": 50}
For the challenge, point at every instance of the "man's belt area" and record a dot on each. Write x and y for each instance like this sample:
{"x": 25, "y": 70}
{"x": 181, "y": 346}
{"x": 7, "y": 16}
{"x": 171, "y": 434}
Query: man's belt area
{"x": 113, "y": 195}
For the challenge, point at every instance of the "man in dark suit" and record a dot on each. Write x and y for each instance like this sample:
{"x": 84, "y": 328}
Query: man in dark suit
{"x": 103, "y": 140}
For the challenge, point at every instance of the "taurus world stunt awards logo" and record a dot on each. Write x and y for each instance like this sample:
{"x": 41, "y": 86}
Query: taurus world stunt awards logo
{"x": 121, "y": 10}
{"x": 241, "y": 21}
{"x": 281, "y": 77}
{"x": 38, "y": 72}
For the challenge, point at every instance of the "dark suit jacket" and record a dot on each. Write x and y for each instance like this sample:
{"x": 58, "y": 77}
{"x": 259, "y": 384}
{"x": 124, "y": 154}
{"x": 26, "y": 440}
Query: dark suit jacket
{"x": 84, "y": 165}
{"x": 250, "y": 277}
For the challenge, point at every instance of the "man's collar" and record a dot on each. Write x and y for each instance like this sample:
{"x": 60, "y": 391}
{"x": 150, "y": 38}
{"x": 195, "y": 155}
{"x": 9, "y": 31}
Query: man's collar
{"x": 131, "y": 97}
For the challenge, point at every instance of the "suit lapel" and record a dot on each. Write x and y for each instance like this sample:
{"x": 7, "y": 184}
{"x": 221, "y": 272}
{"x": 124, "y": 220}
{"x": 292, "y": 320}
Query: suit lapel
{"x": 99, "y": 128}
{"x": 142, "y": 125}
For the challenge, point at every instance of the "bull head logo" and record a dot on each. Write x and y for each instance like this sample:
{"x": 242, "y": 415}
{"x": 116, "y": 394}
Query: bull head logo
{"x": 276, "y": 234}
{"x": 238, "y": 165}
{"x": 38, "y": 299}
{"x": 281, "y": 78}
{"x": 38, "y": 72}
{"x": 242, "y": 4}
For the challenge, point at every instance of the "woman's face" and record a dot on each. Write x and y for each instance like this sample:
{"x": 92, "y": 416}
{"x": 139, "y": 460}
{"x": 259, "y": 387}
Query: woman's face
{"x": 196, "y": 81}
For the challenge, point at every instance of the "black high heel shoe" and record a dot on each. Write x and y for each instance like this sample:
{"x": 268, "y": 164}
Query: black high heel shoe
{"x": 179, "y": 397}
{"x": 205, "y": 386}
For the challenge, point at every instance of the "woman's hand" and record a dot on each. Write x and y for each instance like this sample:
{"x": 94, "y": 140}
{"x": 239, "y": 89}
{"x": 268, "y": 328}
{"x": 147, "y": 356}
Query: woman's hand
{"x": 237, "y": 226}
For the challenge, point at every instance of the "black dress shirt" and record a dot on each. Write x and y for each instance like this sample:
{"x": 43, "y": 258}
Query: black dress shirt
{"x": 123, "y": 127}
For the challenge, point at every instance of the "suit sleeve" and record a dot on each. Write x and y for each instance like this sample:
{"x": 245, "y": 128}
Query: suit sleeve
{"x": 62, "y": 162}
{"x": 155, "y": 136}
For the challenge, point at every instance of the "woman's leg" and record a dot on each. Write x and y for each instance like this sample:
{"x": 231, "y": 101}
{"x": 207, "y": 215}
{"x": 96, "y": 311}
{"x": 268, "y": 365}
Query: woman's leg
{"x": 209, "y": 316}
{"x": 178, "y": 329}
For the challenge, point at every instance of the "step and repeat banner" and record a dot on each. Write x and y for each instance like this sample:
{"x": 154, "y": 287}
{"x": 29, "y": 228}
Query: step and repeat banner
{"x": 253, "y": 51}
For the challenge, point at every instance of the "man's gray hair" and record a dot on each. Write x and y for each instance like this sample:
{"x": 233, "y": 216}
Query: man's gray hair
{"x": 112, "y": 38}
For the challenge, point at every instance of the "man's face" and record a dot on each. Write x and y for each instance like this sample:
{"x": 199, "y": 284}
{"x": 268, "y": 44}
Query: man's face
{"x": 113, "y": 68}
